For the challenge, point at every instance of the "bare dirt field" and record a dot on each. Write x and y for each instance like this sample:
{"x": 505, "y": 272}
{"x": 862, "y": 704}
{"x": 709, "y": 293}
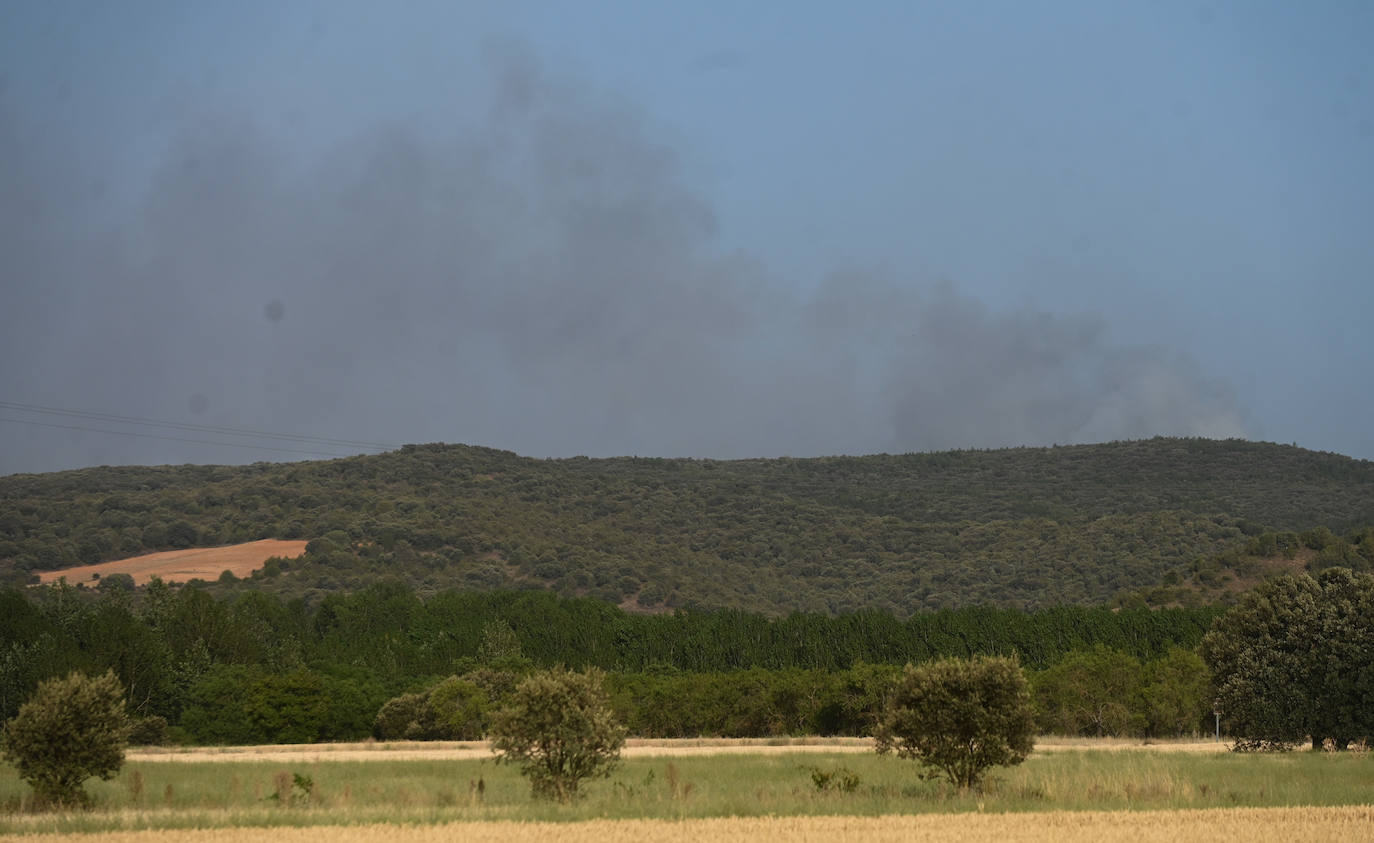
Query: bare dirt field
{"x": 1242, "y": 825}
{"x": 205, "y": 563}
{"x": 634, "y": 748}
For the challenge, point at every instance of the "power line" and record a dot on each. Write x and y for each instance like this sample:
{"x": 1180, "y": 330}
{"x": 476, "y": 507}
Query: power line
{"x": 189, "y": 426}
{"x": 172, "y": 438}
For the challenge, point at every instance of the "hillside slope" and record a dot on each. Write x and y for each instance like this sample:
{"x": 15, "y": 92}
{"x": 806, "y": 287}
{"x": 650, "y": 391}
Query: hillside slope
{"x": 1018, "y": 527}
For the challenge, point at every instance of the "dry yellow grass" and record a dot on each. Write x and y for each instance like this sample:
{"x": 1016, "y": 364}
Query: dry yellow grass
{"x": 205, "y": 563}
{"x": 1243, "y": 825}
{"x": 634, "y": 748}
{"x": 1059, "y": 744}
{"x": 468, "y": 750}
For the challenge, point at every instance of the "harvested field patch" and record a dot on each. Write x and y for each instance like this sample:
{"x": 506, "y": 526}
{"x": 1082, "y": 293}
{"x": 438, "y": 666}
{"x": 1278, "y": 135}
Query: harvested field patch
{"x": 1242, "y": 825}
{"x": 205, "y": 563}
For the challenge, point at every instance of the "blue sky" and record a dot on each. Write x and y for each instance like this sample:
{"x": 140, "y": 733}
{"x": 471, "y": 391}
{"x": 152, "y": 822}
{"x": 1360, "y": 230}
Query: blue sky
{"x": 708, "y": 229}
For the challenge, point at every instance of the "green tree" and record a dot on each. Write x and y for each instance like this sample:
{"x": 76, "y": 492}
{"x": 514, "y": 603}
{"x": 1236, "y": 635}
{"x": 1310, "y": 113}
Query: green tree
{"x": 560, "y": 729}
{"x": 1091, "y": 692}
{"x": 500, "y": 645}
{"x": 453, "y": 710}
{"x": 459, "y": 709}
{"x": 237, "y": 704}
{"x": 960, "y": 717}
{"x": 1177, "y": 693}
{"x": 1294, "y": 659}
{"x": 404, "y": 718}
{"x": 70, "y": 730}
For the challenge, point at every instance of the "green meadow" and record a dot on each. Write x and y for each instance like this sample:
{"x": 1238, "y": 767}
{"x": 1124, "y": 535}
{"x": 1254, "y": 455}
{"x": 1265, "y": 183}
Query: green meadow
{"x": 196, "y": 794}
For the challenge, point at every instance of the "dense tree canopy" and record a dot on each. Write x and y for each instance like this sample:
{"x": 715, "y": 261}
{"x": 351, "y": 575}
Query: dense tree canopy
{"x": 1295, "y": 660}
{"x": 1023, "y": 528}
{"x": 252, "y": 668}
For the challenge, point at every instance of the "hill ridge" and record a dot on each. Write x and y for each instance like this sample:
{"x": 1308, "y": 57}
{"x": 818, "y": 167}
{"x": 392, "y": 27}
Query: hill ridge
{"x": 1022, "y": 527}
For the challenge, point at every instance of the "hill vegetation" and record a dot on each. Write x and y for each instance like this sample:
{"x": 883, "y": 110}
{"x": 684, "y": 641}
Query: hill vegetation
{"x": 1159, "y": 521}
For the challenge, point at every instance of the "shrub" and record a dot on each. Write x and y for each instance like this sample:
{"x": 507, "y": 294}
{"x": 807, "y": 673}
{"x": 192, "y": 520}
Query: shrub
{"x": 70, "y": 730}
{"x": 959, "y": 717}
{"x": 459, "y": 709}
{"x": 560, "y": 730}
{"x": 403, "y": 718}
{"x": 453, "y": 710}
{"x": 148, "y": 731}
{"x": 842, "y": 779}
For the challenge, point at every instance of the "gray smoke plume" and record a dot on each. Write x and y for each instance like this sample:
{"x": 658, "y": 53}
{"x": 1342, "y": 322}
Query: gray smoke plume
{"x": 543, "y": 280}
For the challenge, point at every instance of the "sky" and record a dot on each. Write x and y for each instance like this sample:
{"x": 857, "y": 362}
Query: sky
{"x": 714, "y": 230}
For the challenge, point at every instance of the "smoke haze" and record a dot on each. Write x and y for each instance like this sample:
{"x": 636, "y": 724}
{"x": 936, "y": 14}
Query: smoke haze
{"x": 544, "y": 282}
{"x": 706, "y": 231}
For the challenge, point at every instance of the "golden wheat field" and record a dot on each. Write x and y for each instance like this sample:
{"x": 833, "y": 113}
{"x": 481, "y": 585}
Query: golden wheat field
{"x": 1243, "y": 825}
{"x": 205, "y": 563}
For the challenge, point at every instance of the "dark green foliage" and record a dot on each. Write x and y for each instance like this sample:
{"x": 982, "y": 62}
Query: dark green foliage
{"x": 1091, "y": 692}
{"x": 460, "y": 709}
{"x": 456, "y": 709}
{"x": 405, "y": 718}
{"x": 960, "y": 717}
{"x": 70, "y": 730}
{"x": 1029, "y": 527}
{"x": 218, "y": 669}
{"x": 500, "y": 646}
{"x": 1177, "y": 694}
{"x": 1105, "y": 692}
{"x": 235, "y": 704}
{"x": 116, "y": 582}
{"x": 148, "y": 731}
{"x": 1295, "y": 660}
{"x": 559, "y": 728}
{"x": 739, "y": 704}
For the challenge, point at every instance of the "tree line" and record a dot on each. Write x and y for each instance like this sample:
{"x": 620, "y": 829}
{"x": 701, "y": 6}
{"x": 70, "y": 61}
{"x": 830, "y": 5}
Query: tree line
{"x": 253, "y": 667}
{"x": 1290, "y": 662}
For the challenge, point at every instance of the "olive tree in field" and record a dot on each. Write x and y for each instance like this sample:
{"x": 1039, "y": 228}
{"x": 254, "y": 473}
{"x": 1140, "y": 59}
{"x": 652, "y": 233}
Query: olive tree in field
{"x": 959, "y": 717}
{"x": 70, "y": 730}
{"x": 560, "y": 729}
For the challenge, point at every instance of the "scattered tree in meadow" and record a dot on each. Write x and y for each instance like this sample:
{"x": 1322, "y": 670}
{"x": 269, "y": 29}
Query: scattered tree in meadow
{"x": 560, "y": 730}
{"x": 70, "y": 730}
{"x": 1295, "y": 660}
{"x": 960, "y": 717}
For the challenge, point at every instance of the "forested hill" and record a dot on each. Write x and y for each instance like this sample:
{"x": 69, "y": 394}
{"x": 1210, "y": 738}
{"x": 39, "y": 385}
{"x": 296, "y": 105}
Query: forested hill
{"x": 1023, "y": 527}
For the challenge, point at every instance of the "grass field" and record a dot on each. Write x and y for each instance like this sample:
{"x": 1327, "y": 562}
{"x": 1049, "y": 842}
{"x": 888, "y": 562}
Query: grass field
{"x": 246, "y": 794}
